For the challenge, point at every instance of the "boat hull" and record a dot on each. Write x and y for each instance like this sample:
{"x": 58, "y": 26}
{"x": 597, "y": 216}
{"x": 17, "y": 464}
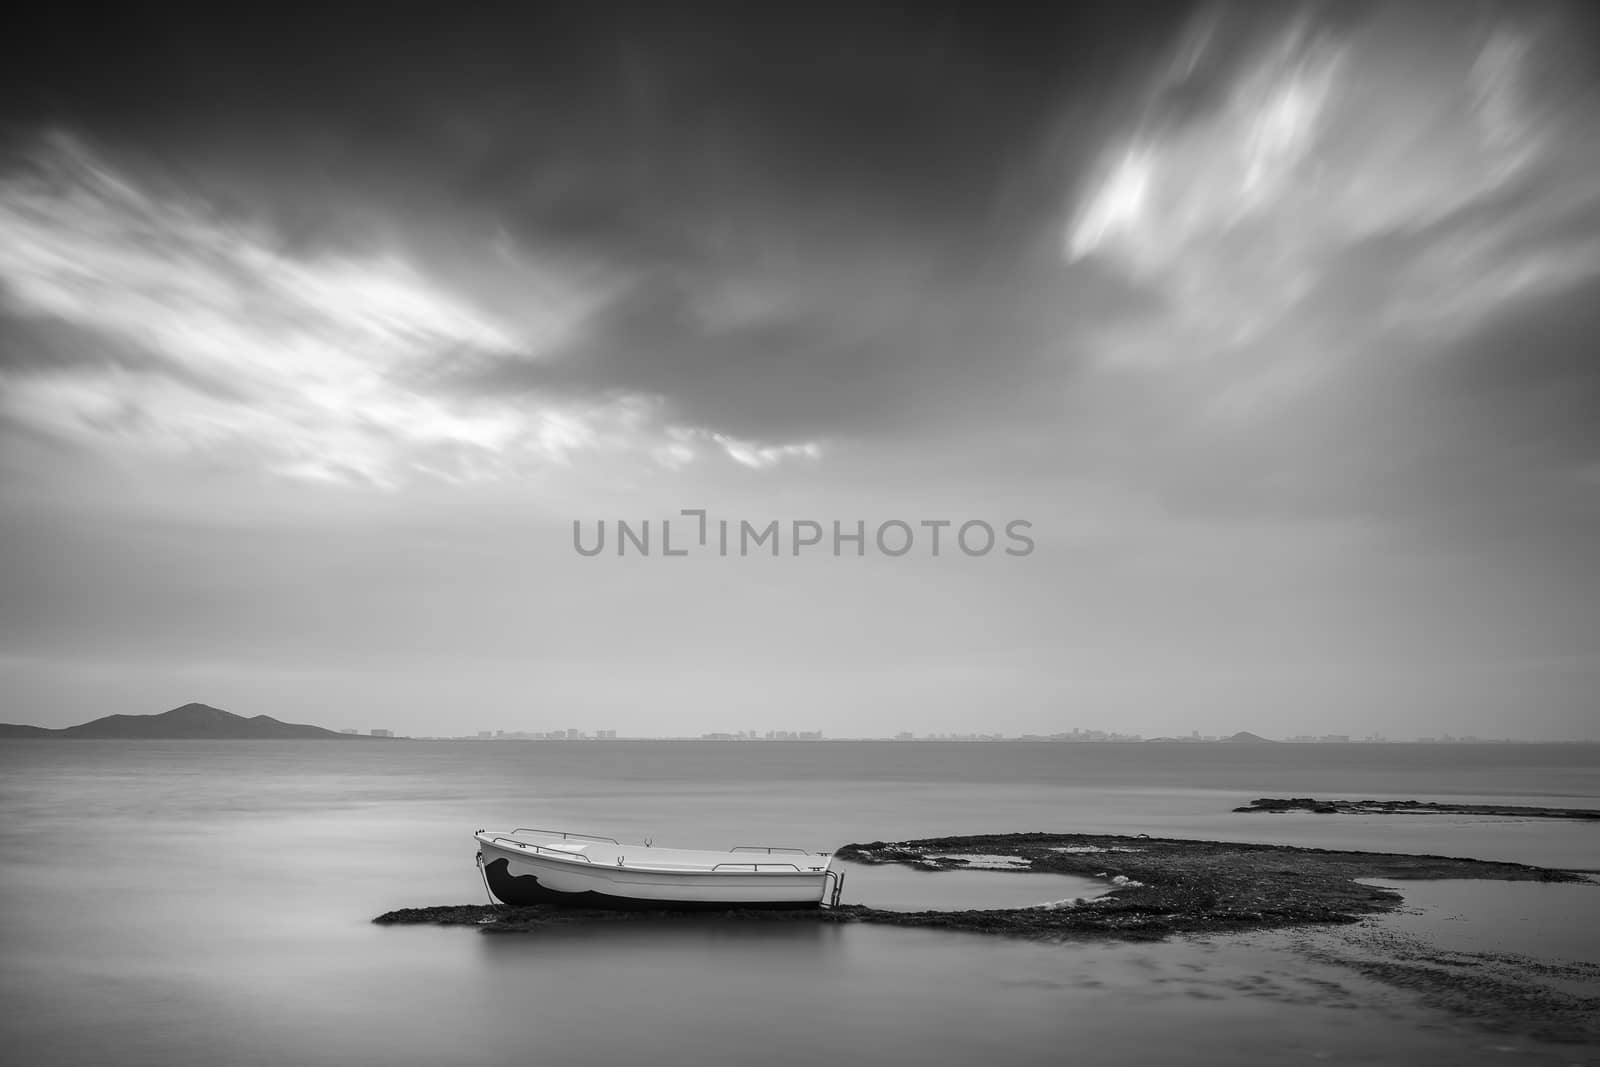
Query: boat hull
{"x": 525, "y": 879}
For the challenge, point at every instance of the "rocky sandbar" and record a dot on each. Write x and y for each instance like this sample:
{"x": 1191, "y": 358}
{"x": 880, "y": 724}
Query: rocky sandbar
{"x": 1155, "y": 887}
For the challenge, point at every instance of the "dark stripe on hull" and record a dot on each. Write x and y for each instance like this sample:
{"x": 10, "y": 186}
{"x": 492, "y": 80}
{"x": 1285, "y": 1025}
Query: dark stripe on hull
{"x": 522, "y": 890}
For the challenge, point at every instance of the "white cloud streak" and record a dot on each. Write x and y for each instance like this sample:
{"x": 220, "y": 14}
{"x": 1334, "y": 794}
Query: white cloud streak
{"x": 311, "y": 367}
{"x": 1250, "y": 214}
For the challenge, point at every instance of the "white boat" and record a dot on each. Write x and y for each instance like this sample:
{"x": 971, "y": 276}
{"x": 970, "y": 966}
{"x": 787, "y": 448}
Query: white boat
{"x": 527, "y": 866}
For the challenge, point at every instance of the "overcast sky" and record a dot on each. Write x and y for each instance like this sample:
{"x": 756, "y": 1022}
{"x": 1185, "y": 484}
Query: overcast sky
{"x": 1277, "y": 324}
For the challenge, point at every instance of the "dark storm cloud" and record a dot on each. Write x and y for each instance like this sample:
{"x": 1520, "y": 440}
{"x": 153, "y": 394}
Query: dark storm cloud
{"x": 576, "y": 119}
{"x": 909, "y": 349}
{"x": 798, "y": 223}
{"x": 1479, "y": 438}
{"x": 1359, "y": 229}
{"x": 795, "y": 219}
{"x": 1527, "y": 385}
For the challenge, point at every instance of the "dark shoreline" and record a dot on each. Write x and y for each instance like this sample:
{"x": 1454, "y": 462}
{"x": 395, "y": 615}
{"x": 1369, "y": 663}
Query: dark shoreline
{"x": 1157, "y": 887}
{"x": 1278, "y": 805}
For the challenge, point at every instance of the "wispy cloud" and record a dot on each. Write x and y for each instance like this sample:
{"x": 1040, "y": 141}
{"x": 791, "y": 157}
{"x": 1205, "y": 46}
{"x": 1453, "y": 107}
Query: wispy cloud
{"x": 1261, "y": 180}
{"x": 144, "y": 318}
{"x": 1367, "y": 238}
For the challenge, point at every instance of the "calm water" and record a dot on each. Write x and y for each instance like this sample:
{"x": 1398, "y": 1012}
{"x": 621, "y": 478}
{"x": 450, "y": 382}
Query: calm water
{"x": 202, "y": 902}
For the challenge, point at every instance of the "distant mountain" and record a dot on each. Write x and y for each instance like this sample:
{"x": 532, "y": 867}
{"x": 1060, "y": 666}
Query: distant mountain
{"x": 9, "y": 730}
{"x": 190, "y": 722}
{"x": 1242, "y": 737}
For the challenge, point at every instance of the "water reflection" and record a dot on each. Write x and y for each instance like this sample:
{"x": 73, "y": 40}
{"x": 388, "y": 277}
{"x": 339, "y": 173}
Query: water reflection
{"x": 1549, "y": 920}
{"x": 646, "y": 942}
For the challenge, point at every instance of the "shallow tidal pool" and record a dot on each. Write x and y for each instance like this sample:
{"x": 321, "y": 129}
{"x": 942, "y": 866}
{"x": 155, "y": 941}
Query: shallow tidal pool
{"x": 897, "y": 887}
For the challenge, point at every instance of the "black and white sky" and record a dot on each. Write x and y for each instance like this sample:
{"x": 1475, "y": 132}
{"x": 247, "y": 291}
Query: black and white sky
{"x": 1277, "y": 322}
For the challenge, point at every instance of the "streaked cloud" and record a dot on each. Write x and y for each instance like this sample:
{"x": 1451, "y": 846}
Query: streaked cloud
{"x": 144, "y": 318}
{"x": 1262, "y": 176}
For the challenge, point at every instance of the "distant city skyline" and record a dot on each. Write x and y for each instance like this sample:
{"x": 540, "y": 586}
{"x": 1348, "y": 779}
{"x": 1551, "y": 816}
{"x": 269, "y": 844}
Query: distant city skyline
{"x": 967, "y": 732}
{"x": 1064, "y": 737}
{"x": 199, "y": 720}
{"x": 689, "y": 731}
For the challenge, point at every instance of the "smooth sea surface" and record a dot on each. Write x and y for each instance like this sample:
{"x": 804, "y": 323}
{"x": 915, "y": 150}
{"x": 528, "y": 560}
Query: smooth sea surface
{"x": 210, "y": 902}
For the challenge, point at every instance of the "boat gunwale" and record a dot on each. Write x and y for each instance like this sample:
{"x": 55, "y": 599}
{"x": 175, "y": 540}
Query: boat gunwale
{"x": 529, "y": 850}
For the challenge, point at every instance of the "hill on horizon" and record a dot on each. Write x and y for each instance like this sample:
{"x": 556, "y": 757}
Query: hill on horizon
{"x": 187, "y": 723}
{"x": 1242, "y": 737}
